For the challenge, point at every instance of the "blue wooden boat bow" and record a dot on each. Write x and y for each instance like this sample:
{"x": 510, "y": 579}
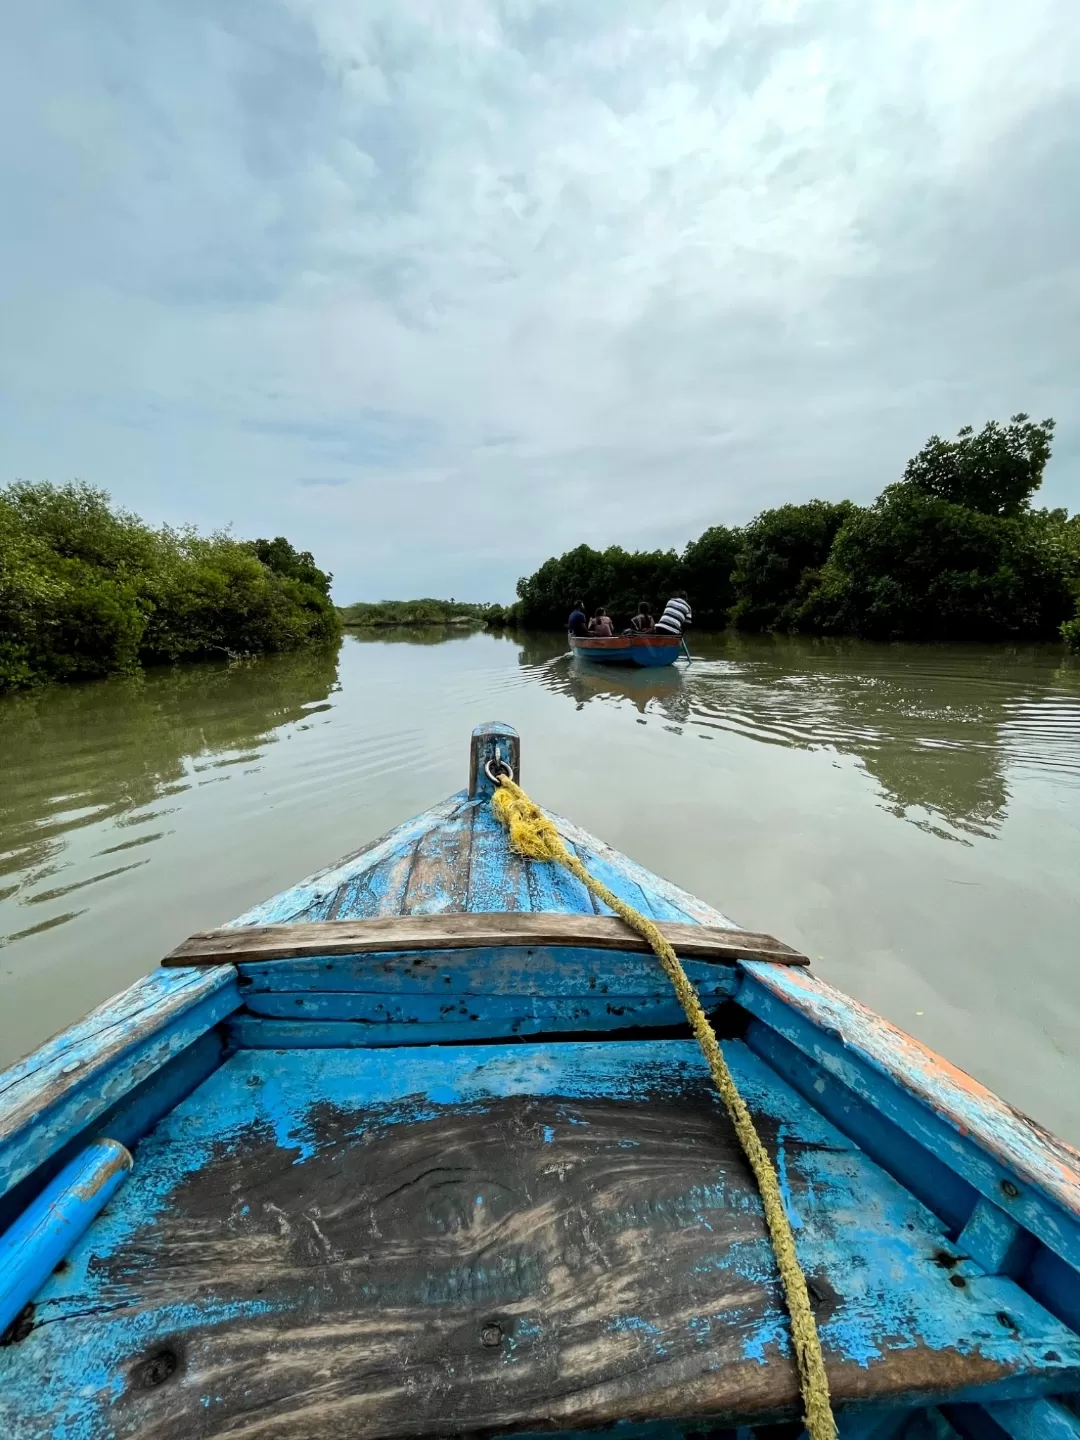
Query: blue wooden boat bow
{"x": 421, "y": 1149}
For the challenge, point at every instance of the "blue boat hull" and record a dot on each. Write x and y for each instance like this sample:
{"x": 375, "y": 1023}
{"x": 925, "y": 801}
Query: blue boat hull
{"x": 648, "y": 651}
{"x": 485, "y": 1186}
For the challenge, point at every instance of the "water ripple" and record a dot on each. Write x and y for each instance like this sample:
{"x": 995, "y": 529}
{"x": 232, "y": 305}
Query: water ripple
{"x": 942, "y": 732}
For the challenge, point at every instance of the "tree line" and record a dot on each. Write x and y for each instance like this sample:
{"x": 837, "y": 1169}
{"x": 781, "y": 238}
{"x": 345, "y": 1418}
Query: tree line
{"x": 953, "y": 551}
{"x": 87, "y": 589}
{"x": 391, "y": 614}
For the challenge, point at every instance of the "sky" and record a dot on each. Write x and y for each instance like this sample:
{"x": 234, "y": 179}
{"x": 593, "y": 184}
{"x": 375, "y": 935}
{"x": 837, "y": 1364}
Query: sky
{"x": 439, "y": 288}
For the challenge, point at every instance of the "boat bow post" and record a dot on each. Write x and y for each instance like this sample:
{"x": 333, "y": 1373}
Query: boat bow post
{"x": 494, "y": 744}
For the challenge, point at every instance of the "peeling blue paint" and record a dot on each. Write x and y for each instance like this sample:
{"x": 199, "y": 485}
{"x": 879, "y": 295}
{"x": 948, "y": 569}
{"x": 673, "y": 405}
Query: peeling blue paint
{"x": 794, "y": 1218}
{"x": 769, "y": 1342}
{"x": 623, "y": 1323}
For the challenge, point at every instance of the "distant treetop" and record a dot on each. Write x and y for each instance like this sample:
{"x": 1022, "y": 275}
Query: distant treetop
{"x": 995, "y": 471}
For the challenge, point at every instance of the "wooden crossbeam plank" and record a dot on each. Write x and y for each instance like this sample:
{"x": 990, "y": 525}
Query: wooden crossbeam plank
{"x": 466, "y": 931}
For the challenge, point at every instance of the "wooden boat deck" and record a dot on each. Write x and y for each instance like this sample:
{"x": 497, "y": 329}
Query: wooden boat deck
{"x": 454, "y": 859}
{"x": 430, "y": 1242}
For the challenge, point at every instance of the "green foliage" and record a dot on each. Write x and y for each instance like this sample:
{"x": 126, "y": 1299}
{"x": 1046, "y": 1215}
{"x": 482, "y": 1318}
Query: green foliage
{"x": 385, "y": 613}
{"x": 299, "y": 565}
{"x": 1069, "y": 533}
{"x": 706, "y": 574}
{"x": 995, "y": 472}
{"x": 778, "y": 561}
{"x": 916, "y": 567}
{"x": 952, "y": 552}
{"x": 87, "y": 590}
{"x": 502, "y": 617}
{"x": 615, "y": 578}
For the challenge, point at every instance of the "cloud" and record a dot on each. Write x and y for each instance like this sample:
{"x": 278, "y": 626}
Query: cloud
{"x": 507, "y": 276}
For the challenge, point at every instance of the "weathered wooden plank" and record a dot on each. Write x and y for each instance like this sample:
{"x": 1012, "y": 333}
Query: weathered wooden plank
{"x": 60, "y": 1088}
{"x": 438, "y": 880}
{"x": 503, "y": 1238}
{"x": 1036, "y": 1420}
{"x": 492, "y": 1012}
{"x": 876, "y": 1422}
{"x": 436, "y": 997}
{"x": 1052, "y": 1281}
{"x": 568, "y": 1018}
{"x": 433, "y": 932}
{"x": 510, "y": 970}
{"x": 352, "y": 886}
{"x": 928, "y": 1177}
{"x": 647, "y": 898}
{"x": 687, "y": 904}
{"x": 1029, "y": 1173}
{"x": 995, "y": 1241}
{"x": 379, "y": 890}
{"x": 497, "y": 877}
{"x": 552, "y": 887}
{"x": 299, "y": 899}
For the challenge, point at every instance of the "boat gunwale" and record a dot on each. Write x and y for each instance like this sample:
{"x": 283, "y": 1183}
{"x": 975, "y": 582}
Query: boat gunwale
{"x": 1015, "y": 1142}
{"x": 624, "y": 642}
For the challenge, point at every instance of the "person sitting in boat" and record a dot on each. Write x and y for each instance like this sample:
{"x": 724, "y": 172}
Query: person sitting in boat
{"x": 676, "y": 615}
{"x": 577, "y": 624}
{"x": 600, "y": 625}
{"x": 643, "y": 621}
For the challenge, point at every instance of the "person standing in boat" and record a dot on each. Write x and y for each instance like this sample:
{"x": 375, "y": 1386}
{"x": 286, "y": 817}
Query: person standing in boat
{"x": 600, "y": 625}
{"x": 577, "y": 623}
{"x": 676, "y": 616}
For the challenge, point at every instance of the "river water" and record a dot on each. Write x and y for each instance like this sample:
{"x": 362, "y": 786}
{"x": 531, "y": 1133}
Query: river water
{"x": 908, "y": 816}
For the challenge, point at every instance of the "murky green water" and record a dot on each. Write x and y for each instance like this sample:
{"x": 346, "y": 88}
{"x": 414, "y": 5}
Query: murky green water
{"x": 910, "y": 817}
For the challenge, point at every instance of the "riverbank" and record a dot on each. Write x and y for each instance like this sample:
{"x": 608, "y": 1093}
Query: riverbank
{"x": 89, "y": 590}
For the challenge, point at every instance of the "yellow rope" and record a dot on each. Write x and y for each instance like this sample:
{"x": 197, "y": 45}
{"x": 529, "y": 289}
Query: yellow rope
{"x": 535, "y": 837}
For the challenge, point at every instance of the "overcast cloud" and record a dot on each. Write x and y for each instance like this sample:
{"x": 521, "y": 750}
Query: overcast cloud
{"x": 438, "y": 288}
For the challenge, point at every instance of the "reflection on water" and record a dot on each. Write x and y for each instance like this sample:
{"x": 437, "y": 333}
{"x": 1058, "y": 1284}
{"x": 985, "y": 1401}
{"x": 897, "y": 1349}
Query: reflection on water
{"x": 121, "y": 751}
{"x": 410, "y": 634}
{"x": 908, "y": 816}
{"x": 661, "y": 690}
{"x": 937, "y": 728}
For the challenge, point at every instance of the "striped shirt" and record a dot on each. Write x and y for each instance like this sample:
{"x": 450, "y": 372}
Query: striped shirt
{"x": 676, "y": 615}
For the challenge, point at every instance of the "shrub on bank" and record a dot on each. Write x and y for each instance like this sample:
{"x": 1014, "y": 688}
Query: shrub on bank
{"x": 86, "y": 590}
{"x": 778, "y": 559}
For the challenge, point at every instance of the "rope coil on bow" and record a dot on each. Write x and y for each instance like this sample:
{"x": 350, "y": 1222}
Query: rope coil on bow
{"x": 533, "y": 836}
